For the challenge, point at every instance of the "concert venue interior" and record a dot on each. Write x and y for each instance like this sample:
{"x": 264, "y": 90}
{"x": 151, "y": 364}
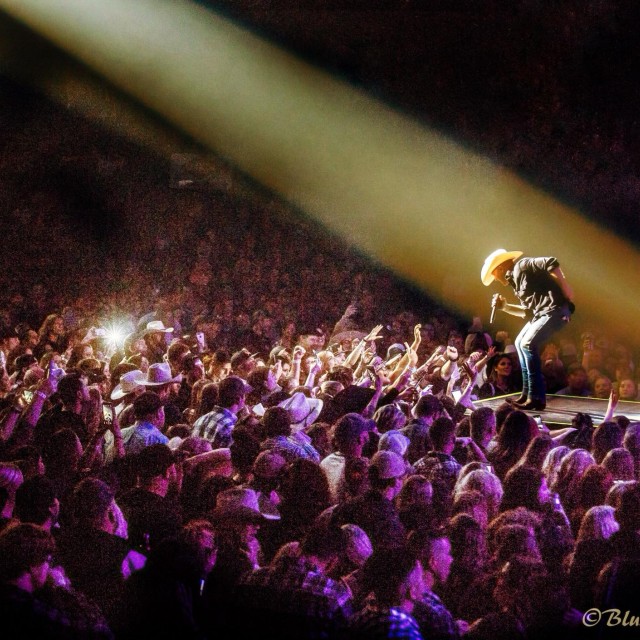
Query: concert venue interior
{"x": 282, "y": 173}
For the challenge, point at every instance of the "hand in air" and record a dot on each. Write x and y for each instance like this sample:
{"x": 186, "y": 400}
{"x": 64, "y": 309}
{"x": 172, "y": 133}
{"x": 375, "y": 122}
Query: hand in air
{"x": 373, "y": 334}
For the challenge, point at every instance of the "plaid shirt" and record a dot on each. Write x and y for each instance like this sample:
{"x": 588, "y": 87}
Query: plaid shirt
{"x": 437, "y": 466}
{"x": 141, "y": 435}
{"x": 49, "y": 613}
{"x": 216, "y": 427}
{"x": 434, "y": 619}
{"x": 324, "y": 598}
{"x": 291, "y": 450}
{"x": 382, "y": 623}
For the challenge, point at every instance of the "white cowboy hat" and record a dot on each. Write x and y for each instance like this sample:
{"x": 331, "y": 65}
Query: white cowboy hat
{"x": 157, "y": 325}
{"x": 303, "y": 411}
{"x": 159, "y": 373}
{"x": 495, "y": 260}
{"x": 129, "y": 382}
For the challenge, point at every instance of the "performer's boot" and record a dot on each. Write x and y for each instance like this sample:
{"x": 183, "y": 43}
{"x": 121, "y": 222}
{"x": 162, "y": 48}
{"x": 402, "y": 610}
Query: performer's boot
{"x": 532, "y": 404}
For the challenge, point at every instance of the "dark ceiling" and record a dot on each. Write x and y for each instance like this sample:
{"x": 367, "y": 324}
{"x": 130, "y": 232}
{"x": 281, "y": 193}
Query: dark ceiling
{"x": 547, "y": 88}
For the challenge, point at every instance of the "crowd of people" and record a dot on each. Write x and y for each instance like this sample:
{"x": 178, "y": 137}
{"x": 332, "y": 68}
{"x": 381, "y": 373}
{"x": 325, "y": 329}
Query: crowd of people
{"x": 347, "y": 482}
{"x": 255, "y": 455}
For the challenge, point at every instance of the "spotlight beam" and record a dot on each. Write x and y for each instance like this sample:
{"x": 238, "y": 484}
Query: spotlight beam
{"x": 415, "y": 200}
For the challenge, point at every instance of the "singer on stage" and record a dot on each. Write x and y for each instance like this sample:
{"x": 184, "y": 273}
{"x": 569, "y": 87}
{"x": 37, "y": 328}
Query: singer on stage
{"x": 546, "y": 300}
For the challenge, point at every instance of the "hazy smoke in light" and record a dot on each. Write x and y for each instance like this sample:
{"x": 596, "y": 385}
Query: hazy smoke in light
{"x": 415, "y": 200}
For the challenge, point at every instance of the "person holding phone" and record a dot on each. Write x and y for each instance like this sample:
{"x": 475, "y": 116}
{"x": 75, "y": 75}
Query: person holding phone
{"x": 546, "y": 301}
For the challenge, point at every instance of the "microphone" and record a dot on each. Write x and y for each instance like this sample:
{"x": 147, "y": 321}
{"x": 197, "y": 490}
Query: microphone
{"x": 493, "y": 311}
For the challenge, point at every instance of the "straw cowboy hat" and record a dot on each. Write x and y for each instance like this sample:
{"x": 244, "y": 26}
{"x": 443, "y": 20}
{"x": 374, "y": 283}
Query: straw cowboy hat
{"x": 129, "y": 382}
{"x": 495, "y": 260}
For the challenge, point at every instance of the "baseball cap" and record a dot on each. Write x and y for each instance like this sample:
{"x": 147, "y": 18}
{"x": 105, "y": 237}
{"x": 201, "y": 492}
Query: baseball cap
{"x": 388, "y": 465}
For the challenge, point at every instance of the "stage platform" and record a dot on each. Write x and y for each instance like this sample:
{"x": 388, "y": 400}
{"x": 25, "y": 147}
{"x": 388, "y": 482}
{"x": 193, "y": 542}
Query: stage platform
{"x": 561, "y": 409}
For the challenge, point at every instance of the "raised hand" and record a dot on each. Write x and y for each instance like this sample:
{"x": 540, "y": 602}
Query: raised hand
{"x": 373, "y": 334}
{"x": 412, "y": 355}
{"x": 316, "y": 368}
{"x": 417, "y": 337}
{"x": 298, "y": 352}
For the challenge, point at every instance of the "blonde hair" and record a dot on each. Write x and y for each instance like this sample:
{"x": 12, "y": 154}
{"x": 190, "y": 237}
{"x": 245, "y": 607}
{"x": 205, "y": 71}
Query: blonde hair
{"x": 487, "y": 484}
{"x": 598, "y": 523}
{"x": 551, "y": 464}
{"x": 572, "y": 468}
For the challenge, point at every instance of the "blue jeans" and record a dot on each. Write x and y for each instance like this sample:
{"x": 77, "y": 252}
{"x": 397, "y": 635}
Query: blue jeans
{"x": 533, "y": 335}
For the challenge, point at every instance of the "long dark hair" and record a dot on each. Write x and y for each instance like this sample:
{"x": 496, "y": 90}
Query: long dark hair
{"x": 304, "y": 491}
{"x": 521, "y": 489}
{"x": 514, "y": 437}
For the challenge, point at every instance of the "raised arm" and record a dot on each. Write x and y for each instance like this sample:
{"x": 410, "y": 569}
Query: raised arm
{"x": 296, "y": 363}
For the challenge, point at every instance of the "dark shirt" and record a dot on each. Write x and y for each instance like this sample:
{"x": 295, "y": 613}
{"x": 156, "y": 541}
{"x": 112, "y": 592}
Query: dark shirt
{"x": 491, "y": 390}
{"x": 625, "y": 544}
{"x": 172, "y": 414}
{"x": 589, "y": 558}
{"x": 50, "y": 613}
{"x": 45, "y": 345}
{"x": 183, "y": 397}
{"x": 94, "y": 562}
{"x": 56, "y": 419}
{"x": 151, "y": 518}
{"x": 535, "y": 287}
{"x": 434, "y": 619}
{"x": 568, "y": 391}
{"x": 163, "y": 599}
{"x": 478, "y": 600}
{"x": 292, "y": 598}
{"x": 232, "y": 565}
{"x": 382, "y": 623}
{"x": 416, "y": 516}
{"x": 460, "y": 577}
{"x": 376, "y": 516}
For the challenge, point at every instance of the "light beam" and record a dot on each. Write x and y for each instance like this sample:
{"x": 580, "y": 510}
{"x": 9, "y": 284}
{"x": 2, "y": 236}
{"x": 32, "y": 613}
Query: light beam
{"x": 415, "y": 200}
